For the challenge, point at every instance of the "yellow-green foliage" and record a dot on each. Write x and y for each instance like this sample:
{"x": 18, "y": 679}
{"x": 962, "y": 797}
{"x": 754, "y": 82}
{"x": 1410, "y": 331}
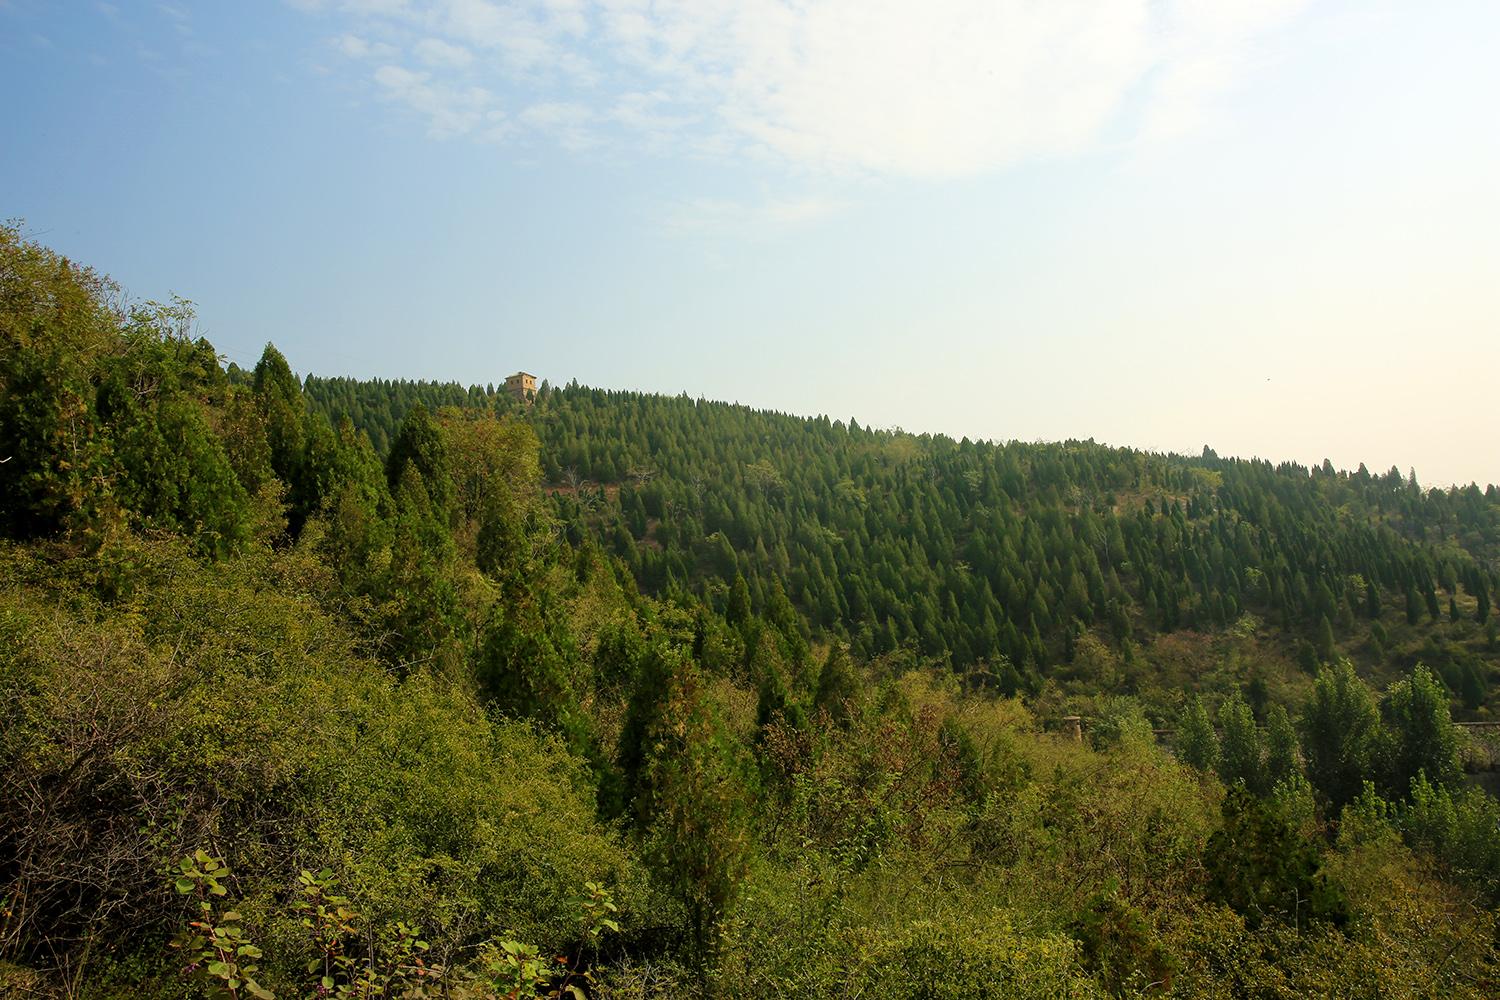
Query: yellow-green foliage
{"x": 975, "y": 956}
{"x": 222, "y": 706}
{"x": 902, "y": 855}
{"x": 819, "y": 932}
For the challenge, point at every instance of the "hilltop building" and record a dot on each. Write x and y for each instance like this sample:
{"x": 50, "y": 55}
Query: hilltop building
{"x": 521, "y": 386}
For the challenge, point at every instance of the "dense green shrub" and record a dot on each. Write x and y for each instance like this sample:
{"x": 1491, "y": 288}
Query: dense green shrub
{"x": 222, "y": 705}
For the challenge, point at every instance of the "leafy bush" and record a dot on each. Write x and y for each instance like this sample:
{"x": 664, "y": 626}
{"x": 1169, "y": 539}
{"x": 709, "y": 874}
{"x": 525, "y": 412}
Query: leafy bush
{"x": 222, "y": 705}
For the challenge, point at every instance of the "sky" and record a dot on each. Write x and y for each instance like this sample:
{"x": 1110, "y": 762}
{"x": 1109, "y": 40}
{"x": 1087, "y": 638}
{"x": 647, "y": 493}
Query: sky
{"x": 1269, "y": 227}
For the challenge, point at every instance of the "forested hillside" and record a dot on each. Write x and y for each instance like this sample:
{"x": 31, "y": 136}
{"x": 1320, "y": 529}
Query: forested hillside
{"x": 318, "y": 688}
{"x": 1090, "y": 565}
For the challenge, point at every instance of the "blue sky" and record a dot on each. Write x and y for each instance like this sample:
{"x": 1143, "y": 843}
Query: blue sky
{"x": 1272, "y": 227}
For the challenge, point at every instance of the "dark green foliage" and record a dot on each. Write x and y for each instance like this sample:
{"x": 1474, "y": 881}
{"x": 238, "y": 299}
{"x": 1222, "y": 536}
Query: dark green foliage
{"x": 1326, "y": 648}
{"x": 243, "y": 435}
{"x": 1421, "y": 738}
{"x": 1258, "y": 695}
{"x": 776, "y": 698}
{"x": 1241, "y": 756}
{"x": 1283, "y": 759}
{"x": 358, "y": 512}
{"x": 697, "y": 810}
{"x": 421, "y": 601}
{"x": 280, "y": 397}
{"x": 1341, "y": 729}
{"x": 973, "y": 553}
{"x": 839, "y": 686}
{"x": 1264, "y": 870}
{"x": 645, "y": 715}
{"x": 107, "y": 415}
{"x": 529, "y": 666}
{"x": 302, "y": 443}
{"x": 1197, "y": 743}
{"x": 154, "y": 402}
{"x": 419, "y": 450}
{"x": 738, "y": 610}
{"x": 59, "y": 325}
{"x": 1120, "y": 947}
{"x": 1413, "y": 606}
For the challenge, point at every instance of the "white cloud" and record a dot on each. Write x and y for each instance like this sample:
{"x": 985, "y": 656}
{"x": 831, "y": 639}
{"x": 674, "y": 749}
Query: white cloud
{"x": 566, "y": 122}
{"x": 436, "y": 52}
{"x": 649, "y": 116}
{"x": 524, "y": 42}
{"x": 387, "y": 8}
{"x": 1206, "y": 48}
{"x": 450, "y": 111}
{"x": 926, "y": 88}
{"x": 356, "y": 47}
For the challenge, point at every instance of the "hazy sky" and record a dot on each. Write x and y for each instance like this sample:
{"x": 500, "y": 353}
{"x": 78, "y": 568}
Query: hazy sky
{"x": 1272, "y": 227}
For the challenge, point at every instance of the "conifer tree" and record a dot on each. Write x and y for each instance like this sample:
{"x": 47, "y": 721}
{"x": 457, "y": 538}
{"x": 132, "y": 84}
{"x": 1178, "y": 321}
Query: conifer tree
{"x": 1340, "y": 732}
{"x": 1325, "y": 644}
{"x": 1420, "y": 733}
{"x": 280, "y": 397}
{"x": 697, "y": 833}
{"x": 1241, "y": 757}
{"x": 419, "y": 444}
{"x": 838, "y": 685}
{"x": 775, "y": 700}
{"x": 737, "y": 612}
{"x": 1197, "y": 743}
{"x": 1283, "y": 760}
{"x": 1262, "y": 868}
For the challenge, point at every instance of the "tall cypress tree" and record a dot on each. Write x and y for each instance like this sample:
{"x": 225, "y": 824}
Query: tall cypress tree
{"x": 419, "y": 443}
{"x": 1197, "y": 743}
{"x": 1283, "y": 761}
{"x": 1325, "y": 643}
{"x": 1420, "y": 736}
{"x": 1241, "y": 758}
{"x": 1340, "y": 731}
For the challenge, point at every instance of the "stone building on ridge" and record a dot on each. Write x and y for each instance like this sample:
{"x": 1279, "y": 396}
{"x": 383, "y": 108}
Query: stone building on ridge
{"x": 521, "y": 386}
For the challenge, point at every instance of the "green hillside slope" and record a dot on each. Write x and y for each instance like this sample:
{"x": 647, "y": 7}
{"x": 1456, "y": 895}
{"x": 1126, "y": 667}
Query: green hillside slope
{"x": 1005, "y": 559}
